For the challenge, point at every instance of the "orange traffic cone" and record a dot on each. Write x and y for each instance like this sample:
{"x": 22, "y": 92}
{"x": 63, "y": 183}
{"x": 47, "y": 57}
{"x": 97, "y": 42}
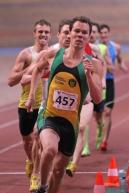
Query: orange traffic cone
{"x": 99, "y": 185}
{"x": 113, "y": 177}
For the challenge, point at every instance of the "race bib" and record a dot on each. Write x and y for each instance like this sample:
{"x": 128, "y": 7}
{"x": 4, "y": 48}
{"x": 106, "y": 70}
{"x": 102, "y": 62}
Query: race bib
{"x": 65, "y": 100}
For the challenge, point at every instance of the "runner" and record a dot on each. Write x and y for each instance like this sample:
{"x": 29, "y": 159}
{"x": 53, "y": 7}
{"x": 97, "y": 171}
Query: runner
{"x": 64, "y": 41}
{"x": 25, "y": 62}
{"x": 82, "y": 146}
{"x": 115, "y": 54}
{"x": 98, "y": 108}
{"x": 63, "y": 102}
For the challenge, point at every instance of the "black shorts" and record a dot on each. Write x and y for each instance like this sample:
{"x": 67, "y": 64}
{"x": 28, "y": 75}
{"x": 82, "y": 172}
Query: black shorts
{"x": 99, "y": 108}
{"x": 27, "y": 121}
{"x": 110, "y": 93}
{"x": 65, "y": 131}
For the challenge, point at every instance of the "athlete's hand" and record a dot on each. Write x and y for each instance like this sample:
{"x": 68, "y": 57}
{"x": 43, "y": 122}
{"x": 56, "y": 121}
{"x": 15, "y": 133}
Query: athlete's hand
{"x": 88, "y": 65}
{"x": 30, "y": 101}
{"x": 26, "y": 79}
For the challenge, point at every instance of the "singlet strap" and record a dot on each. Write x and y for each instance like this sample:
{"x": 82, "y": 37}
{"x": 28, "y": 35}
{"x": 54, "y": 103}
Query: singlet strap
{"x": 34, "y": 54}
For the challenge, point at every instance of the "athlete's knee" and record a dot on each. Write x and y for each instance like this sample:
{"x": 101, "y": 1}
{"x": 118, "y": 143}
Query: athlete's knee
{"x": 28, "y": 141}
{"x": 50, "y": 152}
{"x": 107, "y": 112}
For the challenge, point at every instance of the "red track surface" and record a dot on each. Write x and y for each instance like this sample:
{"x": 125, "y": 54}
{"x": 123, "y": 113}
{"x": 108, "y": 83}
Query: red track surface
{"x": 12, "y": 157}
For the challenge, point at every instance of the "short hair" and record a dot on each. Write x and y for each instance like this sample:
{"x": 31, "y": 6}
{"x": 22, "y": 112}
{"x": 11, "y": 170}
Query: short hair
{"x": 62, "y": 23}
{"x": 42, "y": 22}
{"x": 82, "y": 19}
{"x": 97, "y": 25}
{"x": 102, "y": 26}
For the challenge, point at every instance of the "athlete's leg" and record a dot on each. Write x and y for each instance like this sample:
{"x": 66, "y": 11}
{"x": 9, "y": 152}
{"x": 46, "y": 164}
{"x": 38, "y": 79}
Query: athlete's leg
{"x": 107, "y": 127}
{"x": 109, "y": 104}
{"x": 34, "y": 181}
{"x": 49, "y": 140}
{"x": 99, "y": 130}
{"x": 86, "y": 115}
{"x": 57, "y": 173}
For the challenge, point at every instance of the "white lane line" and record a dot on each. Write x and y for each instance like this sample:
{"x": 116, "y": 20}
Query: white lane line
{"x": 23, "y": 173}
{"x": 120, "y": 98}
{"x": 10, "y": 147}
{"x": 12, "y": 173}
{"x": 121, "y": 122}
{"x": 123, "y": 77}
{"x": 7, "y": 124}
{"x": 7, "y": 108}
{"x": 78, "y": 173}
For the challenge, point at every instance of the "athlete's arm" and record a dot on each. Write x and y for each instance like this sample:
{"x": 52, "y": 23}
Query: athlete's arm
{"x": 120, "y": 61}
{"x": 43, "y": 61}
{"x": 26, "y": 78}
{"x": 94, "y": 74}
{"x": 20, "y": 67}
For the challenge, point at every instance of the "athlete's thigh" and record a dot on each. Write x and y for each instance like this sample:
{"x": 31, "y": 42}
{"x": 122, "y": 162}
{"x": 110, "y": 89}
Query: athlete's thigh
{"x": 49, "y": 138}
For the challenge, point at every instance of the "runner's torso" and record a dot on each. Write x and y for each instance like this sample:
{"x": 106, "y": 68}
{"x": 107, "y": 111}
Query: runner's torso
{"x": 67, "y": 89}
{"x": 26, "y": 88}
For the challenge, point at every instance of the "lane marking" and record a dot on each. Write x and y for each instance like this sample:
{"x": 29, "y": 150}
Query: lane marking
{"x": 7, "y": 108}
{"x": 23, "y": 173}
{"x": 10, "y": 147}
{"x": 7, "y": 124}
{"x": 78, "y": 173}
{"x": 122, "y": 77}
{"x": 121, "y": 122}
{"x": 119, "y": 99}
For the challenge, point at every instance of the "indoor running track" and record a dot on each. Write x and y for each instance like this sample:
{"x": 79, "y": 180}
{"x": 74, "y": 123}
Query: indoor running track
{"x": 12, "y": 157}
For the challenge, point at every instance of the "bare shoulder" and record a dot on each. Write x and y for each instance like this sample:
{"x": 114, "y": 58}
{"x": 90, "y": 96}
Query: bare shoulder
{"x": 24, "y": 55}
{"x": 48, "y": 54}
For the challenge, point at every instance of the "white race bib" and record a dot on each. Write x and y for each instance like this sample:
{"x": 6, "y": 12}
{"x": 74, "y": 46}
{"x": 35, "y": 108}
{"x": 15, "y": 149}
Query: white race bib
{"x": 65, "y": 100}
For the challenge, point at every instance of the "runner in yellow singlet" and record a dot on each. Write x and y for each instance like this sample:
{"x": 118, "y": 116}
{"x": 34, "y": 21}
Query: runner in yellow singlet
{"x": 25, "y": 61}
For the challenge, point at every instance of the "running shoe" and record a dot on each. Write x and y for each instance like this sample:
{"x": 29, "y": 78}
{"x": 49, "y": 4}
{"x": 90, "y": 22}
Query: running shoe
{"x": 71, "y": 169}
{"x": 86, "y": 151}
{"x": 42, "y": 189}
{"x": 34, "y": 183}
{"x": 103, "y": 146}
{"x": 28, "y": 168}
{"x": 99, "y": 136}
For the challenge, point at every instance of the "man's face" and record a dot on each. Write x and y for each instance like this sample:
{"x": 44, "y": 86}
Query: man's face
{"x": 94, "y": 34}
{"x": 64, "y": 36}
{"x": 80, "y": 34}
{"x": 104, "y": 35}
{"x": 42, "y": 34}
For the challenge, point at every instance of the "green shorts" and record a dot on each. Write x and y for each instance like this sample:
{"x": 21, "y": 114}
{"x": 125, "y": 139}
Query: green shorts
{"x": 40, "y": 120}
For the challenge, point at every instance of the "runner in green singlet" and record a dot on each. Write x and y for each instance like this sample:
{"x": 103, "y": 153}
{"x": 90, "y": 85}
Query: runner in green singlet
{"x": 71, "y": 72}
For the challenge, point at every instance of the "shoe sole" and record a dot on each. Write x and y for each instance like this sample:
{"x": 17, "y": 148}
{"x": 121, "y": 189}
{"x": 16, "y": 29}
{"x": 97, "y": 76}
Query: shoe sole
{"x": 85, "y": 155}
{"x": 69, "y": 173}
